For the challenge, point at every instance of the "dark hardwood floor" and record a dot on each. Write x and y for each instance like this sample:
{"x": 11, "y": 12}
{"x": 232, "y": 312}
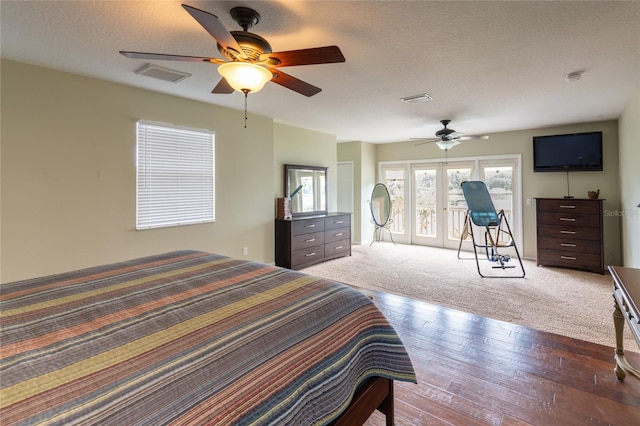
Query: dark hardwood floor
{"x": 474, "y": 370}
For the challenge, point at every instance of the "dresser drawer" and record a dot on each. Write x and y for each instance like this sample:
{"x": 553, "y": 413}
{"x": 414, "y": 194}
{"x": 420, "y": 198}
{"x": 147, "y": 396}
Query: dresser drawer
{"x": 569, "y": 218}
{"x": 569, "y": 232}
{"x": 337, "y": 234}
{"x": 569, "y": 245}
{"x": 306, "y": 226}
{"x": 307, "y": 255}
{"x": 568, "y": 206}
{"x": 337, "y": 222}
{"x": 584, "y": 261}
{"x": 337, "y": 249}
{"x": 307, "y": 240}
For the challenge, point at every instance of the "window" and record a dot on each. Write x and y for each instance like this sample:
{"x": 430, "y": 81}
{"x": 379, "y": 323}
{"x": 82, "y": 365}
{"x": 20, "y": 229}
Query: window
{"x": 176, "y": 176}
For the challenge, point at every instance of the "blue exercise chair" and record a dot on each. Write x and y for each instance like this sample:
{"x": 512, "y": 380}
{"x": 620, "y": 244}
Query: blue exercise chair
{"x": 497, "y": 232}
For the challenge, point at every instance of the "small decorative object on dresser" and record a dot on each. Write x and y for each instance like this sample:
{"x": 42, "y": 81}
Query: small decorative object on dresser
{"x": 304, "y": 241}
{"x": 283, "y": 208}
{"x": 593, "y": 195}
{"x": 570, "y": 233}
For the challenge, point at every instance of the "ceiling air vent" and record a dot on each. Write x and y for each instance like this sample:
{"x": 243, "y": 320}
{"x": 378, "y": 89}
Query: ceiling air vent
{"x": 162, "y": 73}
{"x": 417, "y": 98}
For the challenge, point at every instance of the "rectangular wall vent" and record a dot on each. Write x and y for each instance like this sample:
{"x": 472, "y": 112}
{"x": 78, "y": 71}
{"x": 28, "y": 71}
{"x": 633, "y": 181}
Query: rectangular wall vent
{"x": 162, "y": 73}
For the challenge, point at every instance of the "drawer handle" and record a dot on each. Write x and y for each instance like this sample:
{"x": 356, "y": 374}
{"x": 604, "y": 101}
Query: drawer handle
{"x": 338, "y": 221}
{"x": 567, "y": 219}
{"x": 567, "y": 207}
{"x": 568, "y": 232}
{"x": 310, "y": 254}
{"x": 338, "y": 248}
{"x": 567, "y": 245}
{"x": 339, "y": 234}
{"x": 309, "y": 240}
{"x": 313, "y": 225}
{"x": 568, "y": 258}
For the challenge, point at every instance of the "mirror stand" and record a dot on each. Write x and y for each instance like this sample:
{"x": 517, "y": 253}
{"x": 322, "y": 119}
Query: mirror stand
{"x": 377, "y": 233}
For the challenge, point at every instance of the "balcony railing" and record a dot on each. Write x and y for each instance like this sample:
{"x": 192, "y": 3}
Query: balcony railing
{"x": 427, "y": 226}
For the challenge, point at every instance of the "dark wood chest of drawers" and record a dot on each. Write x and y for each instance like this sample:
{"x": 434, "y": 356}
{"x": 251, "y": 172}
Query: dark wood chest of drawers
{"x": 569, "y": 233}
{"x": 302, "y": 242}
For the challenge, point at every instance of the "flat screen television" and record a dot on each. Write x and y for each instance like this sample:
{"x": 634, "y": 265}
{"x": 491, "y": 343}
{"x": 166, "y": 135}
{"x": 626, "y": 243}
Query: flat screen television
{"x": 573, "y": 152}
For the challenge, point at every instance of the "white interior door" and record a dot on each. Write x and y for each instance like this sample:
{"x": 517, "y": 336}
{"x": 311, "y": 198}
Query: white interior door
{"x": 345, "y": 190}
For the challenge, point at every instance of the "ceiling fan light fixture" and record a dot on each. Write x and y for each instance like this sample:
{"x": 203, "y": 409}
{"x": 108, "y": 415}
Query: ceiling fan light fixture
{"x": 447, "y": 145}
{"x": 245, "y": 76}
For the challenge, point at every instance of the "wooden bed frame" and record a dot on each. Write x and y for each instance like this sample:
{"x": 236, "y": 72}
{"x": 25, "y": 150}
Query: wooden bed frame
{"x": 377, "y": 394}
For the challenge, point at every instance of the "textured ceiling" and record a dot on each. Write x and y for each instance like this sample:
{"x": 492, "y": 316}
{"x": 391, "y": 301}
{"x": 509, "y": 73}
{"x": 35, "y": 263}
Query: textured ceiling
{"x": 491, "y": 66}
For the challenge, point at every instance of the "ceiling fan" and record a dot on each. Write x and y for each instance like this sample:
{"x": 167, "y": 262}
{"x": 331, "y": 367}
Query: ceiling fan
{"x": 448, "y": 138}
{"x": 250, "y": 63}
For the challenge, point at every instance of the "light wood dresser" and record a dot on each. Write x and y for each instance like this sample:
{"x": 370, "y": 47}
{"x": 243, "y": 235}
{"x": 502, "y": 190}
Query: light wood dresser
{"x": 569, "y": 233}
{"x": 304, "y": 241}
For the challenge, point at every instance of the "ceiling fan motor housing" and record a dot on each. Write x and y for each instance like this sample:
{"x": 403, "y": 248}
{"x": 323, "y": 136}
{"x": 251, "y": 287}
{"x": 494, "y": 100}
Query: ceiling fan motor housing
{"x": 443, "y": 133}
{"x": 252, "y": 45}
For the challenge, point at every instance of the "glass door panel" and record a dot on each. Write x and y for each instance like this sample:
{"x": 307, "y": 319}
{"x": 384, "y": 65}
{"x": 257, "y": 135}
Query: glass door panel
{"x": 426, "y": 212}
{"x": 456, "y": 204}
{"x": 502, "y": 180}
{"x": 394, "y": 179}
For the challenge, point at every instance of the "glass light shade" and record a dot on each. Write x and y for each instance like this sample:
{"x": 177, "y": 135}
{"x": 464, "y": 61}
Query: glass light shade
{"x": 245, "y": 76}
{"x": 447, "y": 145}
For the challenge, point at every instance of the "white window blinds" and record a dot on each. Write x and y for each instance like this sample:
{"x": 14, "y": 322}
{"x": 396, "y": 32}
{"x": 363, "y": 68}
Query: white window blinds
{"x": 176, "y": 175}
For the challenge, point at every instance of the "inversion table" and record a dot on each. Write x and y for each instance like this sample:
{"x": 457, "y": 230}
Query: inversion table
{"x": 497, "y": 232}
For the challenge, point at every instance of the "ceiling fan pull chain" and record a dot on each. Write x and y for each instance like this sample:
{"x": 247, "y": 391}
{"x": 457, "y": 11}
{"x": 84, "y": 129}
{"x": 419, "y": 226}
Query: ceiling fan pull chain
{"x": 246, "y": 92}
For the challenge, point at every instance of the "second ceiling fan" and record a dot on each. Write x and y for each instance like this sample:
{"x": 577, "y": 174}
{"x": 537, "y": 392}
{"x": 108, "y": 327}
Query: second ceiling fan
{"x": 447, "y": 138}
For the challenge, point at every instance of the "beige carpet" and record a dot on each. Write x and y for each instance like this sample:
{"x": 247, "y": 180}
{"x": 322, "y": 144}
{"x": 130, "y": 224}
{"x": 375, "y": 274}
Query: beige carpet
{"x": 571, "y": 303}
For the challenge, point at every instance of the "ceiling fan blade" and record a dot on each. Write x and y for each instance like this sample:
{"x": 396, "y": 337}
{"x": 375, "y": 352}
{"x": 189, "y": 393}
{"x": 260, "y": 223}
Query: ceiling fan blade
{"x": 470, "y": 137}
{"x": 223, "y": 87}
{"x": 313, "y": 56}
{"x": 290, "y": 82}
{"x": 212, "y": 24}
{"x": 425, "y": 141}
{"x": 165, "y": 57}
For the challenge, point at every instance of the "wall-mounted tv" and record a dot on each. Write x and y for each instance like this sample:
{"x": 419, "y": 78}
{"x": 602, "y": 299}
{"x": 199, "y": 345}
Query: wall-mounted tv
{"x": 573, "y": 152}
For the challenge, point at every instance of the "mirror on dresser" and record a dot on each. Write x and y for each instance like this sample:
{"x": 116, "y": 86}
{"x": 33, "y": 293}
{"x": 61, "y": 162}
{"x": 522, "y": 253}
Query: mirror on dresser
{"x": 307, "y": 187}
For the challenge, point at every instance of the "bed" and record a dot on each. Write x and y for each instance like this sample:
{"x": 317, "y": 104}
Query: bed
{"x": 189, "y": 337}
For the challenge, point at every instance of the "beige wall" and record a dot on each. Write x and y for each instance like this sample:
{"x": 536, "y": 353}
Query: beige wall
{"x": 537, "y": 184}
{"x": 629, "y": 212}
{"x": 363, "y": 155}
{"x": 294, "y": 145}
{"x": 68, "y": 174}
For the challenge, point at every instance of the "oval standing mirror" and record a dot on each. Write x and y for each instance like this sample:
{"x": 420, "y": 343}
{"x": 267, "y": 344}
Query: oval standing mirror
{"x": 307, "y": 188}
{"x": 380, "y": 204}
{"x": 380, "y": 211}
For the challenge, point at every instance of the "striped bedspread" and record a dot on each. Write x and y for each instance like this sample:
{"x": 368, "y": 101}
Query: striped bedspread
{"x": 188, "y": 338}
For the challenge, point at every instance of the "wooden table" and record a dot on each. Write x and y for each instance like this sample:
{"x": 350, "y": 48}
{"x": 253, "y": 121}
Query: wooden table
{"x": 626, "y": 293}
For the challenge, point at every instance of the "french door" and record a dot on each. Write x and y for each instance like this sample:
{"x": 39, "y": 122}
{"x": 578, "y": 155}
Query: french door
{"x": 438, "y": 207}
{"x": 428, "y": 207}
